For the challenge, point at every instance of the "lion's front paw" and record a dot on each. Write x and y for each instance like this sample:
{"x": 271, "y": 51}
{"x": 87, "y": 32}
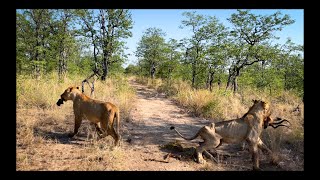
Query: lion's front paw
{"x": 201, "y": 160}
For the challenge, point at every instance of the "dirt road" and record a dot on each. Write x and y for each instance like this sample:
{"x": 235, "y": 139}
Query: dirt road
{"x": 149, "y": 134}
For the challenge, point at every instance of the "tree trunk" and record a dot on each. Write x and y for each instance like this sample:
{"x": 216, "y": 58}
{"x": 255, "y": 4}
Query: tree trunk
{"x": 169, "y": 76}
{"x": 62, "y": 57}
{"x": 229, "y": 80}
{"x": 36, "y": 65}
{"x": 235, "y": 82}
{"x": 208, "y": 80}
{"x": 152, "y": 70}
{"x": 235, "y": 85}
{"x": 230, "y": 77}
{"x": 193, "y": 74}
{"x": 37, "y": 70}
{"x": 43, "y": 45}
{"x": 104, "y": 67}
{"x": 105, "y": 52}
{"x": 211, "y": 80}
{"x": 94, "y": 53}
{"x": 63, "y": 51}
{"x": 219, "y": 82}
{"x": 62, "y": 67}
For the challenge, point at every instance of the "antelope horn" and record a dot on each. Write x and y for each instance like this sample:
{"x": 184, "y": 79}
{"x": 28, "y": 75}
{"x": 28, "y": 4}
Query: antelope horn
{"x": 275, "y": 126}
{"x": 280, "y": 122}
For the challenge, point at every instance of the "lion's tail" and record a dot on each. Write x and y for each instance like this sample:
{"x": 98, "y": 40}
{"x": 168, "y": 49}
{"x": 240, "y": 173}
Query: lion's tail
{"x": 192, "y": 138}
{"x": 117, "y": 116}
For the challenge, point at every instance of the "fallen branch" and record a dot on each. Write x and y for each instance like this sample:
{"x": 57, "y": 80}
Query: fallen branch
{"x": 156, "y": 160}
{"x": 87, "y": 81}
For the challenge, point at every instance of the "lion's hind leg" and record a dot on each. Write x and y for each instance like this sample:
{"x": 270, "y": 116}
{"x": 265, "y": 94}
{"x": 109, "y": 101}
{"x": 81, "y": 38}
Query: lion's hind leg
{"x": 115, "y": 135}
{"x": 253, "y": 148}
{"x": 205, "y": 152}
{"x": 103, "y": 127}
{"x": 109, "y": 126}
{"x": 212, "y": 145}
{"x": 203, "y": 148}
{"x": 101, "y": 132}
{"x": 199, "y": 151}
{"x": 263, "y": 147}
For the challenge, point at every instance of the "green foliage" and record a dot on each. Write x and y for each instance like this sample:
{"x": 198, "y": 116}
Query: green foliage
{"x": 116, "y": 68}
{"x": 48, "y": 40}
{"x": 151, "y": 50}
{"x": 132, "y": 70}
{"x": 251, "y": 38}
{"x": 115, "y": 25}
{"x": 244, "y": 56}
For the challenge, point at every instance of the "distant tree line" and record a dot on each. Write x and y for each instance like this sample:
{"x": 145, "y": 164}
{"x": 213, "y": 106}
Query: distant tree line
{"x": 215, "y": 54}
{"x": 87, "y": 40}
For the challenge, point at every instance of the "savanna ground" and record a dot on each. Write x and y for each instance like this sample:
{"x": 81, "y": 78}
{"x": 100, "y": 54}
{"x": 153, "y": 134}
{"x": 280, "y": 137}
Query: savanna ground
{"x": 147, "y": 142}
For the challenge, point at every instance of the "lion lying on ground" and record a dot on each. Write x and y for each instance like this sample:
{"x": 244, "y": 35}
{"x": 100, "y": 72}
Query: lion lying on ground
{"x": 102, "y": 114}
{"x": 248, "y": 128}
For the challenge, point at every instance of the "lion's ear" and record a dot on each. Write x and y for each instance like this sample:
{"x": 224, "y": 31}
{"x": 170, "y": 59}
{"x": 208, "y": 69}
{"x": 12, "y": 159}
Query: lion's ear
{"x": 254, "y": 100}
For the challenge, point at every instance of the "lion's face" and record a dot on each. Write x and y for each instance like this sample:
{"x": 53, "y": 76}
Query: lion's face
{"x": 268, "y": 121}
{"x": 257, "y": 104}
{"x": 265, "y": 106}
{"x": 68, "y": 94}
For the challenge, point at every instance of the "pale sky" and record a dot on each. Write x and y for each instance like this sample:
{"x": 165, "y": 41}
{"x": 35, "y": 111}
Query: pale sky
{"x": 169, "y": 21}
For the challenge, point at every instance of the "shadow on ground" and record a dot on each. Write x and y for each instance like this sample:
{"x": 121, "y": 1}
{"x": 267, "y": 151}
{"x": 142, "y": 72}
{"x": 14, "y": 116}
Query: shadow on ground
{"x": 60, "y": 137}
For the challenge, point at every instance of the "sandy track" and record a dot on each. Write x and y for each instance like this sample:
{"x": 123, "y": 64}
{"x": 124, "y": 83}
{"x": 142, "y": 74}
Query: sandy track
{"x": 149, "y": 130}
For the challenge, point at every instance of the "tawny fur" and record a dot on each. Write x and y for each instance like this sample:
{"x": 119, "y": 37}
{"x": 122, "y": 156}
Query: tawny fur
{"x": 102, "y": 114}
{"x": 247, "y": 128}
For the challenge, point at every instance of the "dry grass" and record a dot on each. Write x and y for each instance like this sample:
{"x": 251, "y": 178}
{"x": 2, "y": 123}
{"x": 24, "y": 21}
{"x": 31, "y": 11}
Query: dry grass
{"x": 150, "y": 83}
{"x": 45, "y": 92}
{"x": 41, "y": 125}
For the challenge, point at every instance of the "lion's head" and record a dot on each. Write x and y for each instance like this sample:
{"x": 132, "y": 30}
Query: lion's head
{"x": 260, "y": 105}
{"x": 267, "y": 120}
{"x": 68, "y": 94}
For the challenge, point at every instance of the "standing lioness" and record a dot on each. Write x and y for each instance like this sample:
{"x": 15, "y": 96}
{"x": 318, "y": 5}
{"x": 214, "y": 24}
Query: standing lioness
{"x": 101, "y": 113}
